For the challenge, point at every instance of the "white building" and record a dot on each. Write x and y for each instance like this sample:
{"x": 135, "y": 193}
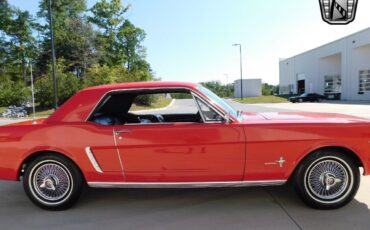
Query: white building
{"x": 340, "y": 69}
{"x": 251, "y": 88}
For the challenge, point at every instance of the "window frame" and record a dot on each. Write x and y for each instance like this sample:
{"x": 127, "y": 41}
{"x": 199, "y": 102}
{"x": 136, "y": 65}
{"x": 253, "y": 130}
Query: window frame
{"x": 194, "y": 94}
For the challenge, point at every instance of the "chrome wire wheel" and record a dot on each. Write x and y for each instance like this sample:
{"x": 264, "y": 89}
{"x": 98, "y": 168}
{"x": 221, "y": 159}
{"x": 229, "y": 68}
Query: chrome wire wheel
{"x": 51, "y": 182}
{"x": 328, "y": 179}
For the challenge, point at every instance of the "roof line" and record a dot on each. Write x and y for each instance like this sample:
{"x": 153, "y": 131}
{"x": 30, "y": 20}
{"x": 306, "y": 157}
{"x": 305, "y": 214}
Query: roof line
{"x": 345, "y": 37}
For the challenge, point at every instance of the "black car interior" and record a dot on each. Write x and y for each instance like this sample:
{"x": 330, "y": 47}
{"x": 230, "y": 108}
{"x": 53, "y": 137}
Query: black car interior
{"x": 114, "y": 109}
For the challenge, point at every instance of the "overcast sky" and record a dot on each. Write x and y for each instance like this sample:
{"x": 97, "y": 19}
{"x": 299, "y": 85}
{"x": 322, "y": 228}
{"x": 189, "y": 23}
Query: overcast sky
{"x": 191, "y": 40}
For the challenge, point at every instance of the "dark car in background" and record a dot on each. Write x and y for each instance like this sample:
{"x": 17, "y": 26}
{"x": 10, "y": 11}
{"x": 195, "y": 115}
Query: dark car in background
{"x": 311, "y": 97}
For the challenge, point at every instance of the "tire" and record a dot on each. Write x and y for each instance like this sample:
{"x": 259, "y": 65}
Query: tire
{"x": 300, "y": 100}
{"x": 327, "y": 179}
{"x": 56, "y": 190}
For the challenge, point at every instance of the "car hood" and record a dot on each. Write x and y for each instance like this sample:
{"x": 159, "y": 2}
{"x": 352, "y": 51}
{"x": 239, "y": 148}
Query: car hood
{"x": 303, "y": 117}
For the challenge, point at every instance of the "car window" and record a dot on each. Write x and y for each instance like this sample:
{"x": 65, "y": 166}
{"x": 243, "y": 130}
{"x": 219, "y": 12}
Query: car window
{"x": 147, "y": 107}
{"x": 209, "y": 114}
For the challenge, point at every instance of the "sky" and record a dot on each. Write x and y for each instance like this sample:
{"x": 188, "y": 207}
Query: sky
{"x": 191, "y": 40}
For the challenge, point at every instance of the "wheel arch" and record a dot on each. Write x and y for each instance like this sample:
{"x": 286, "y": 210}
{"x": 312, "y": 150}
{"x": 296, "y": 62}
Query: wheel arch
{"x": 341, "y": 149}
{"x": 26, "y": 161}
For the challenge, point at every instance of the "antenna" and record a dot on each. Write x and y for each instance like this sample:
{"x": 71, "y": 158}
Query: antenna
{"x": 33, "y": 98}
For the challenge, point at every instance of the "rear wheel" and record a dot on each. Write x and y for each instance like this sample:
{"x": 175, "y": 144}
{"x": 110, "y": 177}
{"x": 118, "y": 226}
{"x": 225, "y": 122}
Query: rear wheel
{"x": 327, "y": 179}
{"x": 300, "y": 100}
{"x": 53, "y": 182}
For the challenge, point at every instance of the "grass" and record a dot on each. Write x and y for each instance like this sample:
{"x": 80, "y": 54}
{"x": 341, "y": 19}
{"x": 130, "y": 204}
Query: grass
{"x": 160, "y": 103}
{"x": 262, "y": 99}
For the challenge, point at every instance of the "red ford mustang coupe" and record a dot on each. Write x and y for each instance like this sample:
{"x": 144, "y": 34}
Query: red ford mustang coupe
{"x": 104, "y": 137}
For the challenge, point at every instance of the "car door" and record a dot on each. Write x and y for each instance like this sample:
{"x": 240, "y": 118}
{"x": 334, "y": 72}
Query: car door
{"x": 181, "y": 151}
{"x": 100, "y": 151}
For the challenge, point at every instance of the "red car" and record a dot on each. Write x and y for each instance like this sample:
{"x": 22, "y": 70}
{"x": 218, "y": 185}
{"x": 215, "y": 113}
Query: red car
{"x": 102, "y": 137}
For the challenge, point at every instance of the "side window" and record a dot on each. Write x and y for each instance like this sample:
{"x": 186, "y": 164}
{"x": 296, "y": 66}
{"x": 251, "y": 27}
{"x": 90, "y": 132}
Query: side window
{"x": 148, "y": 107}
{"x": 208, "y": 114}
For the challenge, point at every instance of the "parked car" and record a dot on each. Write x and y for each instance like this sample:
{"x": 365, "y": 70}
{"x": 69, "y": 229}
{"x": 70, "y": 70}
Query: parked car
{"x": 311, "y": 97}
{"x": 97, "y": 139}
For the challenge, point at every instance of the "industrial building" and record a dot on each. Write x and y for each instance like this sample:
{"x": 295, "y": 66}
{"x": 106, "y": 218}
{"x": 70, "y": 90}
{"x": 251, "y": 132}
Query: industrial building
{"x": 251, "y": 88}
{"x": 339, "y": 70}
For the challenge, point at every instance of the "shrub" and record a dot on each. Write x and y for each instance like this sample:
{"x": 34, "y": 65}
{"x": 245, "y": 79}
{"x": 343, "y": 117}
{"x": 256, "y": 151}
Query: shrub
{"x": 68, "y": 84}
{"x": 13, "y": 93}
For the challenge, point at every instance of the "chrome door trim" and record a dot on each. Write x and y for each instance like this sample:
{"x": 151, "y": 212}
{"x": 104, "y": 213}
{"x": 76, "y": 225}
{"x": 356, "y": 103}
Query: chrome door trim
{"x": 92, "y": 159}
{"x": 186, "y": 184}
{"x": 118, "y": 152}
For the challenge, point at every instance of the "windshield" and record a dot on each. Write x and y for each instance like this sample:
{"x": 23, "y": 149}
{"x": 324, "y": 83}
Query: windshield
{"x": 219, "y": 101}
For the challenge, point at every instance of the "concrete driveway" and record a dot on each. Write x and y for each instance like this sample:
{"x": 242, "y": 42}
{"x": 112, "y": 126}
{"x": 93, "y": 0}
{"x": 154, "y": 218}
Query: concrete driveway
{"x": 222, "y": 208}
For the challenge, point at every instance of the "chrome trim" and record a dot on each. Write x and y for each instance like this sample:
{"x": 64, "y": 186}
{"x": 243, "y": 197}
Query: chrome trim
{"x": 118, "y": 152}
{"x": 158, "y": 88}
{"x": 197, "y": 98}
{"x": 185, "y": 184}
{"x": 92, "y": 159}
{"x": 197, "y": 104}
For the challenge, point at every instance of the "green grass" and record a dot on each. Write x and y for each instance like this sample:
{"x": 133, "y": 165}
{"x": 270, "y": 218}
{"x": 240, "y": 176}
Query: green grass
{"x": 262, "y": 99}
{"x": 160, "y": 103}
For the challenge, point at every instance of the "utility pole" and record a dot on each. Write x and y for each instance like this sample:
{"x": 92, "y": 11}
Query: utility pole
{"x": 241, "y": 70}
{"x": 53, "y": 57}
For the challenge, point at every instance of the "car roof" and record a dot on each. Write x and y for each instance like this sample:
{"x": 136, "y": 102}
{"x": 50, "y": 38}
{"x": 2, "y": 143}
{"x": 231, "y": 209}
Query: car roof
{"x": 79, "y": 106}
{"x": 143, "y": 84}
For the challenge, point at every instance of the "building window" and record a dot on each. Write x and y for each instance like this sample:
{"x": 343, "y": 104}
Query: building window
{"x": 364, "y": 81}
{"x": 333, "y": 84}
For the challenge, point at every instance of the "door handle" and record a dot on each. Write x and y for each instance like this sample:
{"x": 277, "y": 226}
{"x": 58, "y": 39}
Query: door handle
{"x": 118, "y": 132}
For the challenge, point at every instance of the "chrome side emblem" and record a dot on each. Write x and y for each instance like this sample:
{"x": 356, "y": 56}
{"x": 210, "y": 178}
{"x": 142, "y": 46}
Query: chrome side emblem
{"x": 279, "y": 162}
{"x": 338, "y": 12}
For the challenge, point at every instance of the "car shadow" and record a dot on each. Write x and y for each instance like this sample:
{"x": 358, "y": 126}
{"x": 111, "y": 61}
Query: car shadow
{"x": 201, "y": 208}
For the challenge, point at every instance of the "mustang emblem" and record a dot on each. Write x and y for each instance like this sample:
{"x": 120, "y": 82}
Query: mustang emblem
{"x": 279, "y": 162}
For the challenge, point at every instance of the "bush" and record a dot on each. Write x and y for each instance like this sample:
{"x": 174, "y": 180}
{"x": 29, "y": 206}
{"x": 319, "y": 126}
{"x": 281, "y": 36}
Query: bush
{"x": 13, "y": 93}
{"x": 103, "y": 74}
{"x": 68, "y": 84}
{"x": 146, "y": 100}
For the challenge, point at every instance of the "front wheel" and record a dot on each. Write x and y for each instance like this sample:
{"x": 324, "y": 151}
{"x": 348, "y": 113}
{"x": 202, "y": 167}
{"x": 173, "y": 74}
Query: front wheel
{"x": 53, "y": 182}
{"x": 327, "y": 179}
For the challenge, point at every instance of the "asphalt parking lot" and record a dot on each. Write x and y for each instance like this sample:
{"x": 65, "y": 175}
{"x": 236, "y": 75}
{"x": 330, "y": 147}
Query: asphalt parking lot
{"x": 222, "y": 208}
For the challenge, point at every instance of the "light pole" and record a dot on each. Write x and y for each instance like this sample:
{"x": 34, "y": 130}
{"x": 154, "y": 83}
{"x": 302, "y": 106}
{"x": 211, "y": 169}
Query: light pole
{"x": 227, "y": 78}
{"x": 53, "y": 57}
{"x": 241, "y": 70}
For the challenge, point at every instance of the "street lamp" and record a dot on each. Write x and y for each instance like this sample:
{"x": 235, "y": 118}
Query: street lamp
{"x": 53, "y": 57}
{"x": 241, "y": 70}
{"x": 227, "y": 78}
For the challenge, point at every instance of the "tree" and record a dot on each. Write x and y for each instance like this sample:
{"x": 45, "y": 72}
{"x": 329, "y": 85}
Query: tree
{"x": 74, "y": 36}
{"x": 22, "y": 40}
{"x": 68, "y": 84}
{"x": 108, "y": 17}
{"x": 130, "y": 38}
{"x": 219, "y": 89}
